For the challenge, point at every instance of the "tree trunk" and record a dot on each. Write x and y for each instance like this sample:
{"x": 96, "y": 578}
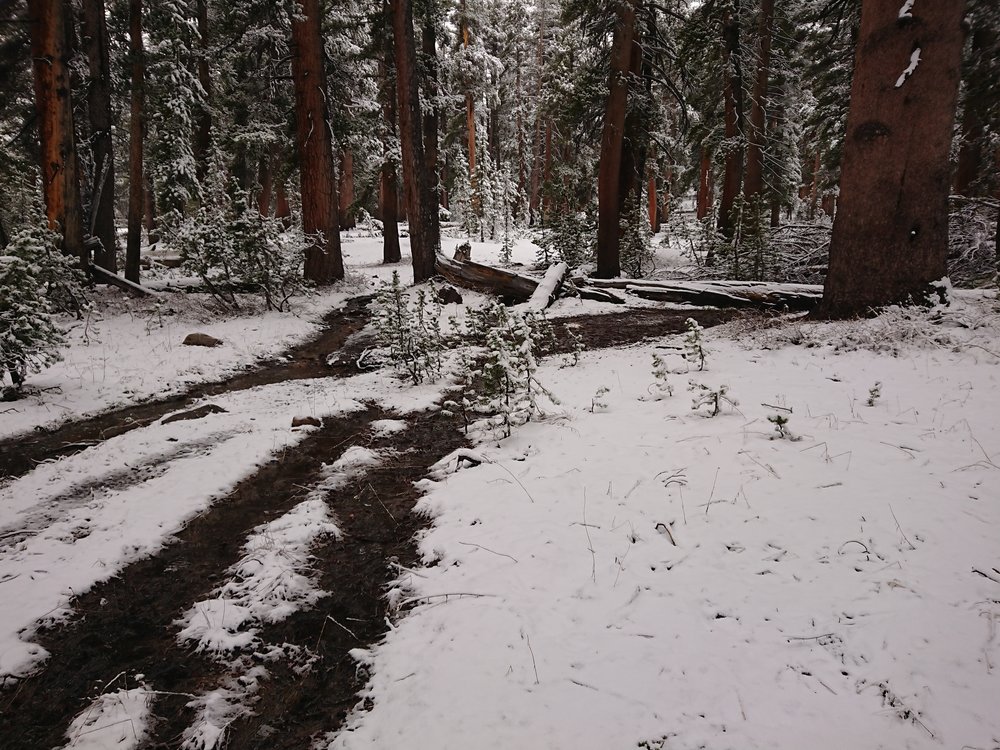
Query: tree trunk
{"x": 136, "y": 138}
{"x": 704, "y": 201}
{"x": 547, "y": 175}
{"x": 814, "y": 188}
{"x": 753, "y": 185}
{"x": 652, "y": 203}
{"x": 978, "y": 80}
{"x": 265, "y": 179}
{"x": 53, "y": 103}
{"x": 612, "y": 143}
{"x": 282, "y": 211}
{"x": 890, "y": 237}
{"x": 320, "y": 221}
{"x": 534, "y": 200}
{"x": 203, "y": 123}
{"x": 430, "y": 121}
{"x": 733, "y": 97}
{"x": 102, "y": 198}
{"x": 423, "y": 218}
{"x": 388, "y": 193}
{"x": 346, "y": 192}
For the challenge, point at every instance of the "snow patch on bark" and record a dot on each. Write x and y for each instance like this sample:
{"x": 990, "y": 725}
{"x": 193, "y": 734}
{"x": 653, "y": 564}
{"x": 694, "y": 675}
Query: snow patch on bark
{"x": 910, "y": 69}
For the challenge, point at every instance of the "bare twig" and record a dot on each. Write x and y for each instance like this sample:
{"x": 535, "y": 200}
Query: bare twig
{"x": 531, "y": 651}
{"x": 487, "y": 549}
{"x": 900, "y": 529}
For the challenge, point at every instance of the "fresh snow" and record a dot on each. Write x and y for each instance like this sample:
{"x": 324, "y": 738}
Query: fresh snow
{"x": 910, "y": 69}
{"x": 113, "y": 720}
{"x": 645, "y": 576}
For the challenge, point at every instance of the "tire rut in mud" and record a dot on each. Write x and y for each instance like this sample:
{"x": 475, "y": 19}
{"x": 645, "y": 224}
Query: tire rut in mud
{"x": 21, "y": 453}
{"x": 125, "y": 625}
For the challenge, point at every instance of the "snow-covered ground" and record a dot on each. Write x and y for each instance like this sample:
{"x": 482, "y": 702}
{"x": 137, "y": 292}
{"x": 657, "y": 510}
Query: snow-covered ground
{"x": 627, "y": 572}
{"x": 643, "y": 575}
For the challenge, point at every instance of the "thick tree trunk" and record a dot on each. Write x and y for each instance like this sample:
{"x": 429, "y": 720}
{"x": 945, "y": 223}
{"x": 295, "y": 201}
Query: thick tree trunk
{"x": 48, "y": 27}
{"x": 203, "y": 124}
{"x": 320, "y": 221}
{"x": 704, "y": 200}
{"x": 753, "y": 184}
{"x": 430, "y": 122}
{"x": 346, "y": 192}
{"x": 282, "y": 209}
{"x": 733, "y": 96}
{"x": 388, "y": 193}
{"x": 612, "y": 143}
{"x": 136, "y": 138}
{"x": 102, "y": 197}
{"x": 890, "y": 237}
{"x": 978, "y": 80}
{"x": 423, "y": 217}
{"x": 652, "y": 203}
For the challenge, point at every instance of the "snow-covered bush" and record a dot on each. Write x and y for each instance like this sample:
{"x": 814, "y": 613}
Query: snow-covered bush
{"x": 410, "y": 330}
{"x": 570, "y": 238}
{"x": 507, "y": 384}
{"x": 709, "y": 397}
{"x": 232, "y": 248}
{"x": 694, "y": 350}
{"x": 636, "y": 249}
{"x": 62, "y": 282}
{"x": 29, "y": 340}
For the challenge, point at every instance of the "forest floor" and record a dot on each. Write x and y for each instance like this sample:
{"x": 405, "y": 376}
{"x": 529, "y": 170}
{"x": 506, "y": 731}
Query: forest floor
{"x": 624, "y": 572}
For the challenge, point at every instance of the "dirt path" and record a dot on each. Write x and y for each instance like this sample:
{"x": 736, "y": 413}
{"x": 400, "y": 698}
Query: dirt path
{"x": 128, "y": 625}
{"x": 21, "y": 453}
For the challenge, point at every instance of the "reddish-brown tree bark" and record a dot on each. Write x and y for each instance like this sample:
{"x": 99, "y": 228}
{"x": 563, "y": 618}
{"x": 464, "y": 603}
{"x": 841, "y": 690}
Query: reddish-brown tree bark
{"x": 136, "y": 139}
{"x": 422, "y": 215}
{"x": 733, "y": 114}
{"x": 102, "y": 194}
{"x": 320, "y": 221}
{"x": 890, "y": 236}
{"x": 704, "y": 199}
{"x": 48, "y": 26}
{"x": 430, "y": 120}
{"x": 265, "y": 181}
{"x": 612, "y": 143}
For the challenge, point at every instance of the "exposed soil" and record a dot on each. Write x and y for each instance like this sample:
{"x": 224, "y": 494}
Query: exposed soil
{"x": 20, "y": 454}
{"x": 127, "y": 626}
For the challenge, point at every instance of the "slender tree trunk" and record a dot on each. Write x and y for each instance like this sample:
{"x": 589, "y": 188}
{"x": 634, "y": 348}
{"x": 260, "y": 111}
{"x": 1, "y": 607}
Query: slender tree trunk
{"x": 733, "y": 96}
{"x": 814, "y": 188}
{"x": 203, "y": 123}
{"x": 320, "y": 221}
{"x": 652, "y": 204}
{"x": 612, "y": 143}
{"x": 265, "y": 179}
{"x": 423, "y": 217}
{"x": 136, "y": 138}
{"x": 978, "y": 79}
{"x": 753, "y": 185}
{"x": 346, "y": 192}
{"x": 704, "y": 203}
{"x": 282, "y": 210}
{"x": 388, "y": 193}
{"x": 547, "y": 175}
{"x": 430, "y": 123}
{"x": 53, "y": 102}
{"x": 890, "y": 237}
{"x": 102, "y": 198}
{"x": 536, "y": 144}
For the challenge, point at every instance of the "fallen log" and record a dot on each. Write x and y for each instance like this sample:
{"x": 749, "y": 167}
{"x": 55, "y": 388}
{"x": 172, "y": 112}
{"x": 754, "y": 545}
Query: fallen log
{"x": 549, "y": 287}
{"x": 105, "y": 276}
{"x": 721, "y": 293}
{"x": 511, "y": 286}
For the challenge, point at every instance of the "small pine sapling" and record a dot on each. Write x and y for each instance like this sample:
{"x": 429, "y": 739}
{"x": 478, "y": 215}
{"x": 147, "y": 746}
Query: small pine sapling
{"x": 780, "y": 422}
{"x": 713, "y": 398}
{"x": 694, "y": 351}
{"x": 572, "y": 358}
{"x": 597, "y": 401}
{"x": 661, "y": 387}
{"x": 874, "y": 393}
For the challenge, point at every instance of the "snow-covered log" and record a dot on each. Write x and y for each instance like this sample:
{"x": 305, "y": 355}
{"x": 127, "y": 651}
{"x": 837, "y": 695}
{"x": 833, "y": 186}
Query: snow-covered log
{"x": 513, "y": 286}
{"x": 105, "y": 276}
{"x": 548, "y": 289}
{"x": 718, "y": 293}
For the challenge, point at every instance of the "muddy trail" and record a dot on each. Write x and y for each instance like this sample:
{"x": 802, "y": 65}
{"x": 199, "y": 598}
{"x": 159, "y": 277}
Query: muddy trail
{"x": 20, "y": 454}
{"x": 313, "y": 359}
{"x": 127, "y": 626}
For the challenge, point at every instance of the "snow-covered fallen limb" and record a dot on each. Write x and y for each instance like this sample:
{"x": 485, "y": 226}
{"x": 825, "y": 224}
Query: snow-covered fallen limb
{"x": 457, "y": 459}
{"x": 548, "y": 289}
{"x": 484, "y": 278}
{"x": 718, "y": 293}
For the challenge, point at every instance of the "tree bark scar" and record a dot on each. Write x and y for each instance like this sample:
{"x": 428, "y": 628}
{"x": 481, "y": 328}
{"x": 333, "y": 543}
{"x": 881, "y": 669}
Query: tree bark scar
{"x": 869, "y": 131}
